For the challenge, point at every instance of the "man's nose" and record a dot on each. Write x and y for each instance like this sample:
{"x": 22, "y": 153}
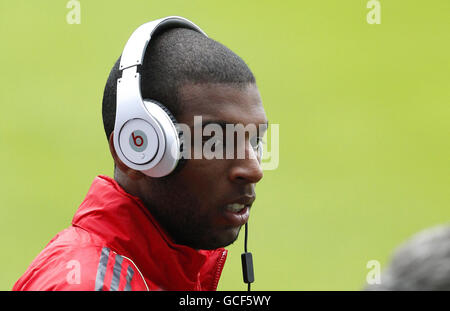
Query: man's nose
{"x": 248, "y": 169}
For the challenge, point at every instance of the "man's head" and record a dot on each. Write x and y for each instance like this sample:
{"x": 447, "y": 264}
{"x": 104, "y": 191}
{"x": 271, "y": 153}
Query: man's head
{"x": 194, "y": 76}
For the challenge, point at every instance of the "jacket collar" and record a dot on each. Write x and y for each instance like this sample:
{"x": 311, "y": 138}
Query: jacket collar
{"x": 127, "y": 226}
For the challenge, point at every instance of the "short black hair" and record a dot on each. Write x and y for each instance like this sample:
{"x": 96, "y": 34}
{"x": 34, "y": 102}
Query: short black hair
{"x": 173, "y": 58}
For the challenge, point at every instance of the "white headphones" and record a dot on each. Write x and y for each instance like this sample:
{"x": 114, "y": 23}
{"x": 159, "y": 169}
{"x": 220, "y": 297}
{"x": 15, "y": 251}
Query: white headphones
{"x": 145, "y": 133}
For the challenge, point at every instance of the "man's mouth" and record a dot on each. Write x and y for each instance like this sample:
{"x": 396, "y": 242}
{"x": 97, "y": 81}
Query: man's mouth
{"x": 235, "y": 207}
{"x": 237, "y": 212}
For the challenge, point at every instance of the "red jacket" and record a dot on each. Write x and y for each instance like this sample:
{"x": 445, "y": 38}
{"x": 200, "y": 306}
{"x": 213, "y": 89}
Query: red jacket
{"x": 114, "y": 243}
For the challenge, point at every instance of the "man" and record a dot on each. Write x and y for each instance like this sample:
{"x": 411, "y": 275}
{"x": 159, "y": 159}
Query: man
{"x": 135, "y": 232}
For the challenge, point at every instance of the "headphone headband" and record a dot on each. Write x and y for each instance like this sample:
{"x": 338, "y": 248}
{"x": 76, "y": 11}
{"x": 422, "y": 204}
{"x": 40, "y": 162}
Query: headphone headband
{"x": 133, "y": 53}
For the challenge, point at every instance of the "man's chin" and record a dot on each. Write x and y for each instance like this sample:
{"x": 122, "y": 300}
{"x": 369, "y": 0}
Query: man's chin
{"x": 210, "y": 241}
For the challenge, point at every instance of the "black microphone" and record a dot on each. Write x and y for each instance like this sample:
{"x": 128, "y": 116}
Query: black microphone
{"x": 247, "y": 262}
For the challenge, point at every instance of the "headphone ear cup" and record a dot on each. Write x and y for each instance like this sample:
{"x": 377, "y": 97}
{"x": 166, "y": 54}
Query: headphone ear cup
{"x": 181, "y": 160}
{"x": 171, "y": 116}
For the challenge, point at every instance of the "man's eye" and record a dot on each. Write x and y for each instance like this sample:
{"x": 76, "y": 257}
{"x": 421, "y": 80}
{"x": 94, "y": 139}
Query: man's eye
{"x": 214, "y": 139}
{"x": 256, "y": 142}
{"x": 214, "y": 142}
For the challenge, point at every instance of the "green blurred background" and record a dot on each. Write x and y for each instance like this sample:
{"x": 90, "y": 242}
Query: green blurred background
{"x": 363, "y": 112}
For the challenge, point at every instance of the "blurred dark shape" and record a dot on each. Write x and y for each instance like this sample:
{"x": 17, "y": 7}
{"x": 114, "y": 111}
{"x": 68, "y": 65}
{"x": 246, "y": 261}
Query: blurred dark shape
{"x": 422, "y": 263}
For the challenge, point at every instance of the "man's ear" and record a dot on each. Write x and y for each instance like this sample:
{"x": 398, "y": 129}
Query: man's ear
{"x": 133, "y": 174}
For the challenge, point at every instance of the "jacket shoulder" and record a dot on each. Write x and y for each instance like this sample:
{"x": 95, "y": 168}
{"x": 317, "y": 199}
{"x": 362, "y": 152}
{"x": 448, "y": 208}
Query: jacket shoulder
{"x": 77, "y": 260}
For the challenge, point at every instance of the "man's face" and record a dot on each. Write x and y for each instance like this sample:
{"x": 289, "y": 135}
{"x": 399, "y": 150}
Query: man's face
{"x": 191, "y": 204}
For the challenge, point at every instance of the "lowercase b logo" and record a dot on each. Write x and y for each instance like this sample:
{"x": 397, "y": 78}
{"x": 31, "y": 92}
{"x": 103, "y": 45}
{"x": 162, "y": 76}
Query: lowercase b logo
{"x": 138, "y": 141}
